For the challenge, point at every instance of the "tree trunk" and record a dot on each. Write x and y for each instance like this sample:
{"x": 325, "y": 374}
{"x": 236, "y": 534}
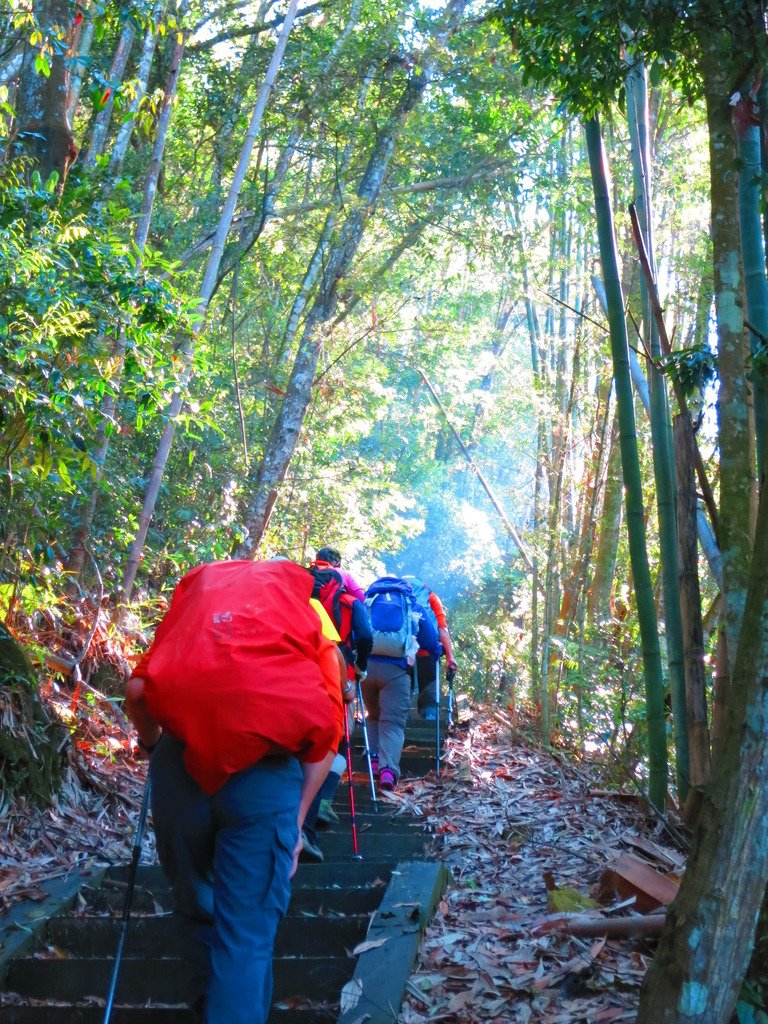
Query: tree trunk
{"x": 736, "y": 470}
{"x": 109, "y": 403}
{"x": 755, "y": 280}
{"x": 663, "y": 466}
{"x": 104, "y": 116}
{"x": 599, "y": 600}
{"x": 285, "y": 433}
{"x": 707, "y": 942}
{"x": 690, "y": 603}
{"x": 84, "y": 43}
{"x": 42, "y": 125}
{"x": 206, "y": 290}
{"x": 646, "y": 610}
{"x": 124, "y": 132}
{"x": 318, "y": 257}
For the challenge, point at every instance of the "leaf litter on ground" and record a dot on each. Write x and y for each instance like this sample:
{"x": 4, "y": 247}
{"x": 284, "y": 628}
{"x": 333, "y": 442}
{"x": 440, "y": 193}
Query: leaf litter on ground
{"x": 509, "y": 819}
{"x": 513, "y": 823}
{"x": 92, "y": 819}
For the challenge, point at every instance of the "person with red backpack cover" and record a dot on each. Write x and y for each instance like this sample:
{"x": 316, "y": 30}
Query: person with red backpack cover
{"x": 239, "y": 702}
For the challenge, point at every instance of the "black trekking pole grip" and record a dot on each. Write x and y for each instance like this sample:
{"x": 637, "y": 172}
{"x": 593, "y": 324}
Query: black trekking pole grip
{"x": 450, "y": 675}
{"x": 126, "y": 915}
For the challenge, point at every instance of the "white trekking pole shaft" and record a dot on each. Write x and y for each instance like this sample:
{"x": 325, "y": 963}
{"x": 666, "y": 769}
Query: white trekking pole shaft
{"x": 366, "y": 745}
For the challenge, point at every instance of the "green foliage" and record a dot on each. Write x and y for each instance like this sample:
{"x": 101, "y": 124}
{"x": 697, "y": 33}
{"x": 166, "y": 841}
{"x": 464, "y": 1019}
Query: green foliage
{"x": 72, "y": 288}
{"x": 695, "y": 368}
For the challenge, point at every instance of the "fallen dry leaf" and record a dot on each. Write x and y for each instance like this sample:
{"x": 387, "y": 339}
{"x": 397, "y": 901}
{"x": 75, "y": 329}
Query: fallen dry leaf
{"x": 363, "y": 947}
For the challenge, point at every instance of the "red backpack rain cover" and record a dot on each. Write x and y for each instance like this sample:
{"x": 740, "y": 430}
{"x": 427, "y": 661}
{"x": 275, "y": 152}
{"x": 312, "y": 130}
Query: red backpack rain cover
{"x": 239, "y": 669}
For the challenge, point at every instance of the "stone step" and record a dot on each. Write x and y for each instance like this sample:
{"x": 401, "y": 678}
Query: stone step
{"x": 69, "y": 1013}
{"x": 150, "y": 877}
{"x": 410, "y": 767}
{"x": 309, "y": 900}
{"x": 81, "y": 937}
{"x": 337, "y": 845}
{"x": 163, "y": 980}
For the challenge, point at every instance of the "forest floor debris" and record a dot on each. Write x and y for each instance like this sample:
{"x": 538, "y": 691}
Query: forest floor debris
{"x": 93, "y": 817}
{"x": 526, "y": 834}
{"x": 516, "y": 824}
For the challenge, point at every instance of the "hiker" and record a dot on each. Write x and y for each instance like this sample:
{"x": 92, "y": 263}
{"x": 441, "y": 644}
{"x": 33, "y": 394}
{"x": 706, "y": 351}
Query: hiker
{"x": 350, "y": 618}
{"x": 331, "y": 558}
{"x": 238, "y": 701}
{"x": 400, "y": 627}
{"x": 426, "y": 667}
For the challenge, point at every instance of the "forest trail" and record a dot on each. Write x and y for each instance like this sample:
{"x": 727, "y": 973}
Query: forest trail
{"x": 508, "y": 820}
{"x": 516, "y": 821}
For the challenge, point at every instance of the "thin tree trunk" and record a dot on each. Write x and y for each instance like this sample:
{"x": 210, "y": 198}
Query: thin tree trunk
{"x": 646, "y": 611}
{"x": 253, "y": 226}
{"x": 663, "y": 466}
{"x": 323, "y": 242}
{"x": 104, "y": 116}
{"x": 42, "y": 126}
{"x": 206, "y": 290}
{"x": 690, "y": 603}
{"x": 590, "y": 489}
{"x": 285, "y": 433}
{"x": 101, "y": 447}
{"x": 124, "y": 132}
{"x": 599, "y": 603}
{"x": 77, "y": 76}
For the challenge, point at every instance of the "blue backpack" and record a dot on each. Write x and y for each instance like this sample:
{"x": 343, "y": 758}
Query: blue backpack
{"x": 389, "y": 602}
{"x": 421, "y": 594}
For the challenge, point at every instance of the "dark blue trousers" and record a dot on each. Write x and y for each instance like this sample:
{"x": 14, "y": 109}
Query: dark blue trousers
{"x": 228, "y": 858}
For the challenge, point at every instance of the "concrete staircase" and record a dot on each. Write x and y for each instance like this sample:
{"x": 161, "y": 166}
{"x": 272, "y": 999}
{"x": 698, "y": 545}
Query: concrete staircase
{"x": 65, "y": 976}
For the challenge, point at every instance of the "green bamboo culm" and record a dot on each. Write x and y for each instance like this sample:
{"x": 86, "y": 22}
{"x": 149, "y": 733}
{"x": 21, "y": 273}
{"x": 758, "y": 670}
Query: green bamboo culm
{"x": 663, "y": 456}
{"x": 630, "y": 464}
{"x": 755, "y": 280}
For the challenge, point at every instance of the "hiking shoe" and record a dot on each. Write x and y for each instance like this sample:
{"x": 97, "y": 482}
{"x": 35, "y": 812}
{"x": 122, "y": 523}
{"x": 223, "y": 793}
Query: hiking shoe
{"x": 326, "y": 813}
{"x": 387, "y": 779}
{"x": 375, "y": 765}
{"x": 310, "y": 852}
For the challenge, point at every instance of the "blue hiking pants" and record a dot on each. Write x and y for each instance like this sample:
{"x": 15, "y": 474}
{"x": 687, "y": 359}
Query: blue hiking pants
{"x": 228, "y": 858}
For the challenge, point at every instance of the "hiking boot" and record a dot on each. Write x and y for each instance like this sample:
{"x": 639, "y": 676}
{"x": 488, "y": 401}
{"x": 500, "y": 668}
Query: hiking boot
{"x": 387, "y": 779}
{"x": 310, "y": 852}
{"x": 326, "y": 813}
{"x": 375, "y": 765}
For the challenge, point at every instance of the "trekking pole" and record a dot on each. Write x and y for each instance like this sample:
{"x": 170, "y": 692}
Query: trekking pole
{"x": 367, "y": 746}
{"x": 355, "y": 849}
{"x": 437, "y": 720}
{"x": 126, "y": 916}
